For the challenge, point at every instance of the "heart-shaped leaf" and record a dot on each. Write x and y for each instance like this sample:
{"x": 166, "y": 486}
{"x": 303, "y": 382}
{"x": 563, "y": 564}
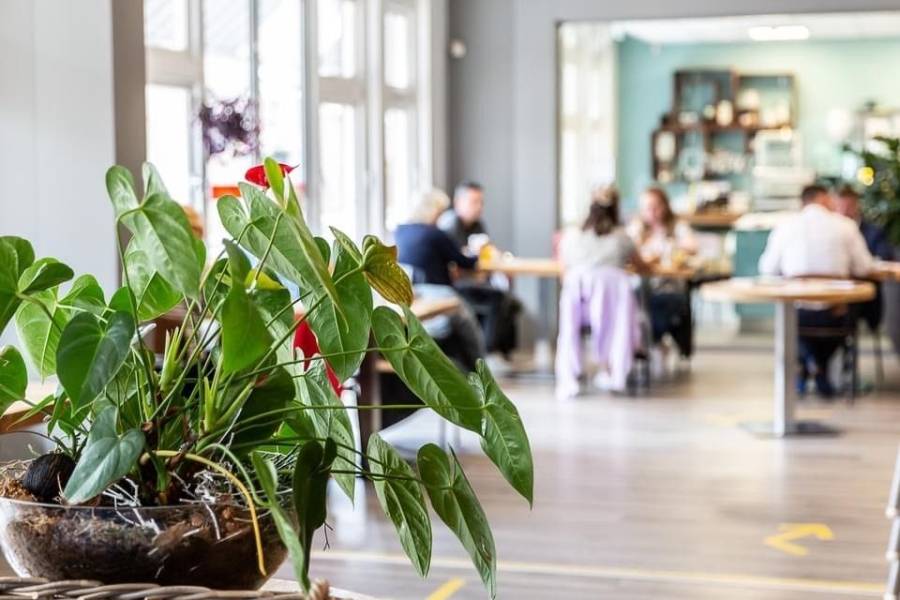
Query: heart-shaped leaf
{"x": 44, "y": 274}
{"x": 39, "y": 334}
{"x": 402, "y": 501}
{"x": 454, "y": 501}
{"x": 107, "y": 457}
{"x": 13, "y": 377}
{"x": 503, "y": 436}
{"x": 153, "y": 183}
{"x": 245, "y": 337}
{"x": 153, "y": 294}
{"x": 424, "y": 369}
{"x": 275, "y": 393}
{"x": 89, "y": 355}
{"x": 120, "y": 189}
{"x": 333, "y": 421}
{"x": 384, "y": 274}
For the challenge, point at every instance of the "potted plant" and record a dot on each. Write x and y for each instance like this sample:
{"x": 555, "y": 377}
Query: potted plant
{"x": 880, "y": 175}
{"x": 209, "y": 464}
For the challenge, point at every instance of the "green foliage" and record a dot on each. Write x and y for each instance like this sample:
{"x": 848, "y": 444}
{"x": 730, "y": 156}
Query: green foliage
{"x": 454, "y": 501}
{"x": 107, "y": 458}
{"x": 881, "y": 195}
{"x": 13, "y": 377}
{"x": 229, "y": 386}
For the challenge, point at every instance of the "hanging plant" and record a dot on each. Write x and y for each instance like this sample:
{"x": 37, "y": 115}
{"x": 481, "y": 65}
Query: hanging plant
{"x": 229, "y": 126}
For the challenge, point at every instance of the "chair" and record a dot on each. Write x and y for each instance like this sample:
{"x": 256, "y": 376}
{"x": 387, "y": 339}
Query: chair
{"x": 603, "y": 299}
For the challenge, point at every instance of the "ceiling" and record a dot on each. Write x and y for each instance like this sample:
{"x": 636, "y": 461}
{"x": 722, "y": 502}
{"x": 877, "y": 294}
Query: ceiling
{"x": 736, "y": 29}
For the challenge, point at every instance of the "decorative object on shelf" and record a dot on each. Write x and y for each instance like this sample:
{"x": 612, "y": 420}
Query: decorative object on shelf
{"x": 230, "y": 126}
{"x": 208, "y": 463}
{"x": 724, "y": 113}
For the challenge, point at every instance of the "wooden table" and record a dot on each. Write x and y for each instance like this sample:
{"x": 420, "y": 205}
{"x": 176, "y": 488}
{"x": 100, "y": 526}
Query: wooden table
{"x": 885, "y": 270}
{"x": 785, "y": 294}
{"x": 551, "y": 268}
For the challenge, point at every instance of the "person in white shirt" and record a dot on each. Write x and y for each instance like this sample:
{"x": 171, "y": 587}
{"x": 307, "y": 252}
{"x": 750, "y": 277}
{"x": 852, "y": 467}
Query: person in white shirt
{"x": 817, "y": 242}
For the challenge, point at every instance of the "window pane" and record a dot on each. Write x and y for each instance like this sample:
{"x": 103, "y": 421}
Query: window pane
{"x": 399, "y": 165}
{"x": 166, "y": 24}
{"x": 169, "y": 137}
{"x": 226, "y": 48}
{"x": 398, "y": 46}
{"x": 280, "y": 80}
{"x": 337, "y": 38}
{"x": 338, "y": 146}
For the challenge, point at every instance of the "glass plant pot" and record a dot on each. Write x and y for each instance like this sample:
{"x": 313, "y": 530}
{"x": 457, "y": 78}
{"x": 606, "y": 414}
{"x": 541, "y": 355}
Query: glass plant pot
{"x": 209, "y": 545}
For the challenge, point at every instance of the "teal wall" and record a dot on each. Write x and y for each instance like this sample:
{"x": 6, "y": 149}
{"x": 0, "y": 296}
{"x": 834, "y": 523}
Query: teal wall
{"x": 828, "y": 75}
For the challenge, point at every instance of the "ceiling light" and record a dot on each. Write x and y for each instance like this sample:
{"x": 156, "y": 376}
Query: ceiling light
{"x": 778, "y": 33}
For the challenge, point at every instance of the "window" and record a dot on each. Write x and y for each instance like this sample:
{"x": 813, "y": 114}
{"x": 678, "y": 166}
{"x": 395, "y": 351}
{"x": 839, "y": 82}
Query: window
{"x": 351, "y": 117}
{"x": 401, "y": 156}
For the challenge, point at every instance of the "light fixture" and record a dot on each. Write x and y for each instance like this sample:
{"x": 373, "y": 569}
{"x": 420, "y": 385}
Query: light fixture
{"x": 778, "y": 33}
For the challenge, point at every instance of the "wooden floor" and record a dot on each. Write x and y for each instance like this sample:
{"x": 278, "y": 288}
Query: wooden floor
{"x": 662, "y": 496}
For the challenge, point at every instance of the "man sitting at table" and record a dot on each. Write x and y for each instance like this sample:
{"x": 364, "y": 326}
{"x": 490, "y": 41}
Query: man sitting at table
{"x": 817, "y": 242}
{"x": 496, "y": 308}
{"x": 846, "y": 202}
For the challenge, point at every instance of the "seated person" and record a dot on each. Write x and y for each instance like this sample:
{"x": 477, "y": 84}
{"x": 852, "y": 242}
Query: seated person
{"x": 817, "y": 241}
{"x": 661, "y": 237}
{"x": 599, "y": 242}
{"x": 497, "y": 309}
{"x": 422, "y": 245}
{"x": 846, "y": 203}
{"x": 596, "y": 291}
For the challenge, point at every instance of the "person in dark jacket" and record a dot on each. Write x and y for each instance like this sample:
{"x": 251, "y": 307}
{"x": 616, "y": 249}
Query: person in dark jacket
{"x": 846, "y": 202}
{"x": 426, "y": 248}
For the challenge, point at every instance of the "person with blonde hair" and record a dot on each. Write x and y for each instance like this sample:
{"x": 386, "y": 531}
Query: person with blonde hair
{"x": 424, "y": 247}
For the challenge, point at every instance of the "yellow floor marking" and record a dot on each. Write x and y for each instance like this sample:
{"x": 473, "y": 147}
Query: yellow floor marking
{"x": 447, "y": 590}
{"x": 794, "y": 531}
{"x": 850, "y": 588}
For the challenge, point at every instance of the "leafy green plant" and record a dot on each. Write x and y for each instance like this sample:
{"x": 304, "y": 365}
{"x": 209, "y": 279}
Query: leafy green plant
{"x": 880, "y": 174}
{"x": 230, "y": 394}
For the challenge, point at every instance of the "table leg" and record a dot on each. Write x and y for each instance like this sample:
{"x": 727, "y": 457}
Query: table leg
{"x": 785, "y": 367}
{"x": 784, "y": 423}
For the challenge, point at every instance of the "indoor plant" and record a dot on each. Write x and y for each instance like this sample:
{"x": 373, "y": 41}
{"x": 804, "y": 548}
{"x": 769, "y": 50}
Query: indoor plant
{"x": 230, "y": 419}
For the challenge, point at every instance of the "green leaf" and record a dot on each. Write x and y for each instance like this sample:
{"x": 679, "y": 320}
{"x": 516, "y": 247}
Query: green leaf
{"x": 161, "y": 230}
{"x": 503, "y": 436}
{"x": 383, "y": 272}
{"x": 85, "y": 294}
{"x": 275, "y": 177}
{"x": 268, "y": 481}
{"x": 324, "y": 249}
{"x": 13, "y": 377}
{"x": 153, "y": 183}
{"x": 153, "y": 295}
{"x": 89, "y": 355}
{"x": 347, "y": 244}
{"x": 107, "y": 457}
{"x": 402, "y": 501}
{"x": 120, "y": 189}
{"x": 38, "y": 333}
{"x": 424, "y": 369}
{"x": 238, "y": 263}
{"x": 310, "y": 486}
{"x": 245, "y": 338}
{"x": 347, "y": 335}
{"x": 16, "y": 255}
{"x": 275, "y": 307}
{"x": 275, "y": 393}
{"x": 333, "y": 421}
{"x": 44, "y": 274}
{"x": 455, "y": 503}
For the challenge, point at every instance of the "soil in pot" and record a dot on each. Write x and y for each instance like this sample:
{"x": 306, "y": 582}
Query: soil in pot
{"x": 191, "y": 544}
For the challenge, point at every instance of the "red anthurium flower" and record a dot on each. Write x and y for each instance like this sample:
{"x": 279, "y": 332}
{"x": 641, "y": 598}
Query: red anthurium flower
{"x": 257, "y": 174}
{"x": 305, "y": 339}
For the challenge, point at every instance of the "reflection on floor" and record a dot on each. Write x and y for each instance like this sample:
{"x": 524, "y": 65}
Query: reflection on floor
{"x": 661, "y": 496}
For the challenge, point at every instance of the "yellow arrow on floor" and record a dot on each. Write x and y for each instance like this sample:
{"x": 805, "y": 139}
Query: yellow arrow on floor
{"x": 788, "y": 532}
{"x": 447, "y": 589}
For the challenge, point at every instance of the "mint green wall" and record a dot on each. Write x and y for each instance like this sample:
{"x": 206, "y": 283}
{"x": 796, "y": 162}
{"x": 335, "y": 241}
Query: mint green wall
{"x": 828, "y": 74}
